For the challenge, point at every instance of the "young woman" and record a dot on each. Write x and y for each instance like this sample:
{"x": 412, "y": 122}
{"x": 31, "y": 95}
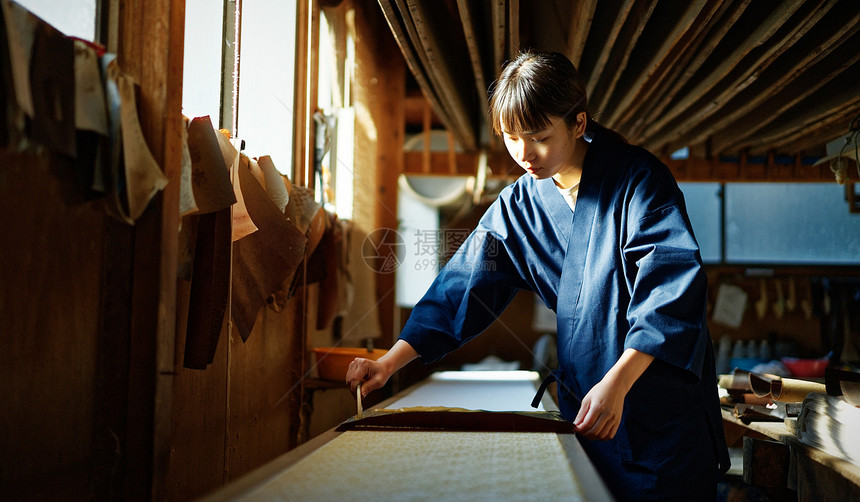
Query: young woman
{"x": 599, "y": 230}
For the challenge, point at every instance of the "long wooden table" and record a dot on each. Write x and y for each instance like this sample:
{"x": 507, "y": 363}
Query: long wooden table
{"x": 434, "y": 465}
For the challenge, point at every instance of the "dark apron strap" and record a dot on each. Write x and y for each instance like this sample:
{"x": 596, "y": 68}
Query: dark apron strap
{"x": 543, "y": 385}
{"x": 554, "y": 376}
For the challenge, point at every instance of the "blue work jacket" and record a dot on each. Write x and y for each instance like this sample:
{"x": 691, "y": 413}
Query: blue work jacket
{"x": 621, "y": 270}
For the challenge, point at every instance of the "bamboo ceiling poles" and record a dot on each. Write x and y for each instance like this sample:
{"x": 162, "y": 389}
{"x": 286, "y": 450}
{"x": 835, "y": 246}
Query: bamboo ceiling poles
{"x": 735, "y": 74}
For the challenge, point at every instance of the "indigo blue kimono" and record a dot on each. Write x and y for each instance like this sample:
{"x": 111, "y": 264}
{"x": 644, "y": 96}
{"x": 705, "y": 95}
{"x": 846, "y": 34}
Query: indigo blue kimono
{"x": 622, "y": 270}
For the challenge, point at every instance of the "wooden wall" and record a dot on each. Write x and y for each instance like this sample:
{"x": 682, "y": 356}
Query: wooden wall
{"x": 50, "y": 299}
{"x": 241, "y": 411}
{"x": 87, "y": 304}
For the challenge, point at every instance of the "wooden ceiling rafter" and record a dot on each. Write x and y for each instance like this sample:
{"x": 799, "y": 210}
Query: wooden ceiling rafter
{"x": 683, "y": 105}
{"x": 399, "y": 17}
{"x": 513, "y": 27}
{"x": 740, "y": 136}
{"x": 612, "y": 41}
{"x": 771, "y": 49}
{"x": 438, "y": 68}
{"x": 674, "y": 35}
{"x": 721, "y": 77}
{"x": 394, "y": 21}
{"x": 627, "y": 38}
{"x": 580, "y": 22}
{"x": 707, "y": 36}
{"x": 833, "y": 129}
{"x": 813, "y": 72}
{"x": 720, "y": 104}
{"x": 467, "y": 13}
{"x": 498, "y": 13}
{"x": 834, "y": 111}
{"x": 722, "y": 23}
{"x": 663, "y": 76}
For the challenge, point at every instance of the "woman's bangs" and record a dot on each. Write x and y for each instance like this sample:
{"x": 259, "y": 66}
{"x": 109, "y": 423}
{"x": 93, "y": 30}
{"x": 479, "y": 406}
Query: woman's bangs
{"x": 516, "y": 113}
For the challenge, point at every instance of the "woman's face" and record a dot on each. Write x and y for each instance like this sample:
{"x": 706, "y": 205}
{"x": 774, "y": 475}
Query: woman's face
{"x": 547, "y": 152}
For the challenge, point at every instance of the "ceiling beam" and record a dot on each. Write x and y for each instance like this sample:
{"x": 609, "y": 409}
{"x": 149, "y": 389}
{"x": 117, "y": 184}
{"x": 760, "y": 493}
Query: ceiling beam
{"x": 675, "y": 34}
{"x": 708, "y": 97}
{"x": 823, "y": 63}
{"x": 627, "y": 39}
{"x": 610, "y": 41}
{"x": 699, "y": 23}
{"x": 513, "y": 28}
{"x": 580, "y": 25}
{"x": 834, "y": 112}
{"x": 467, "y": 10}
{"x": 678, "y": 75}
{"x": 395, "y": 23}
{"x": 498, "y": 10}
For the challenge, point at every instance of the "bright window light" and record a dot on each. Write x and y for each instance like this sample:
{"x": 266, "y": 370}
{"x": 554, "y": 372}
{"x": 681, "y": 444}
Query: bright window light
{"x": 75, "y": 18}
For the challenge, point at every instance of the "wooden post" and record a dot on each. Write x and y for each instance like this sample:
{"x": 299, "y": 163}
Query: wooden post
{"x": 452, "y": 154}
{"x": 383, "y": 82}
{"x": 300, "y": 102}
{"x": 425, "y": 152}
{"x": 150, "y": 49}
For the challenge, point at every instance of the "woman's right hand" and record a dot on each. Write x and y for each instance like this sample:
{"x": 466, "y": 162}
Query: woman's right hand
{"x": 372, "y": 374}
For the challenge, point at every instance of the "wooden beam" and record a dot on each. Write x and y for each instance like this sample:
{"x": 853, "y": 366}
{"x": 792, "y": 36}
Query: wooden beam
{"x": 824, "y": 62}
{"x": 300, "y": 99}
{"x": 721, "y": 24}
{"x": 313, "y": 93}
{"x": 467, "y": 10}
{"x": 150, "y": 49}
{"x": 466, "y": 164}
{"x": 675, "y": 35}
{"x": 764, "y": 31}
{"x": 627, "y": 40}
{"x": 513, "y": 28}
{"x": 580, "y": 25}
{"x": 438, "y": 59}
{"x": 230, "y": 66}
{"x": 407, "y": 21}
{"x": 425, "y": 147}
{"x": 412, "y": 61}
{"x": 498, "y": 9}
{"x": 707, "y": 105}
{"x": 672, "y": 67}
{"x": 822, "y": 126}
{"x": 610, "y": 42}
{"x": 742, "y": 170}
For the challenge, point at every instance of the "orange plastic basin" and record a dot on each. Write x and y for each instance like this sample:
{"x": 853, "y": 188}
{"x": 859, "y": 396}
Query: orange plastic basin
{"x": 332, "y": 362}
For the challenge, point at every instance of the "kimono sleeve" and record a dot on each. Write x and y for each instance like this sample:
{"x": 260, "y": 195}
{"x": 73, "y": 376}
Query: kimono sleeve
{"x": 473, "y": 288}
{"x": 665, "y": 277}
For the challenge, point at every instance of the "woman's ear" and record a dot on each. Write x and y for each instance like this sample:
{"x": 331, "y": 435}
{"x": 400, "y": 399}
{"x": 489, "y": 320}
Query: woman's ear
{"x": 581, "y": 123}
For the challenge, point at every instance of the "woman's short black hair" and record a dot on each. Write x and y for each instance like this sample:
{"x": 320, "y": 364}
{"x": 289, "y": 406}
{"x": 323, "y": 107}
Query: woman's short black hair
{"x": 533, "y": 87}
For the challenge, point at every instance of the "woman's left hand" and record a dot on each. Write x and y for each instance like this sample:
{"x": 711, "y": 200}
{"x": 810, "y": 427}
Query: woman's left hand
{"x": 600, "y": 413}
